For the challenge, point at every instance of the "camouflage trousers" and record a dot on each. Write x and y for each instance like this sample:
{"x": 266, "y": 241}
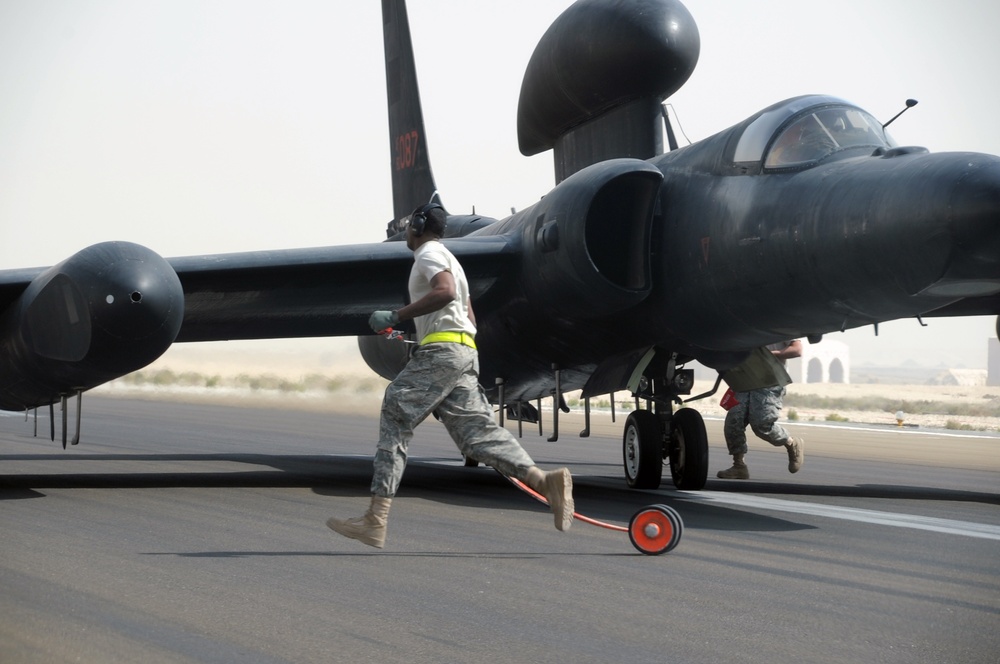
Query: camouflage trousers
{"x": 761, "y": 410}
{"x": 442, "y": 378}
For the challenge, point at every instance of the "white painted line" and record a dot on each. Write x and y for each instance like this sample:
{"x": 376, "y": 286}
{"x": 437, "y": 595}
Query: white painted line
{"x": 947, "y": 526}
{"x": 884, "y": 428}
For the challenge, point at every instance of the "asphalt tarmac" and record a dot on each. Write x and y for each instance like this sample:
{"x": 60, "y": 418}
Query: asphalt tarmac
{"x": 195, "y": 533}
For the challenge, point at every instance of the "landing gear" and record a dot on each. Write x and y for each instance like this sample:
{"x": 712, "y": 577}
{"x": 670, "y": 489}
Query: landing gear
{"x": 661, "y": 435}
{"x": 642, "y": 450}
{"x": 688, "y": 450}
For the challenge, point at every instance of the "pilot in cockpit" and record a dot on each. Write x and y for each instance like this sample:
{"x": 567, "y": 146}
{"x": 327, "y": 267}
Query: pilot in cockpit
{"x": 817, "y": 134}
{"x": 803, "y": 141}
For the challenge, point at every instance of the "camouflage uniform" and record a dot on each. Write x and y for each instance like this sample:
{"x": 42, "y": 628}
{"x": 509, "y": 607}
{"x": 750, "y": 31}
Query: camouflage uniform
{"x": 442, "y": 378}
{"x": 761, "y": 410}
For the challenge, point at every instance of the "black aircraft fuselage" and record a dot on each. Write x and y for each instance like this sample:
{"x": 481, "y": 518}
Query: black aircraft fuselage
{"x": 699, "y": 253}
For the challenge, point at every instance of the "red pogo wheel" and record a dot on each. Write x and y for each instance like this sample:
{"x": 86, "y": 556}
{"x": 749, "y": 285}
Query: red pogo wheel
{"x": 655, "y": 529}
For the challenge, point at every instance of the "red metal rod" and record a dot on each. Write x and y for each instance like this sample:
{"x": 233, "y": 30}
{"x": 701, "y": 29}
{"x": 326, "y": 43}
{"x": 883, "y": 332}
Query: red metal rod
{"x": 586, "y": 519}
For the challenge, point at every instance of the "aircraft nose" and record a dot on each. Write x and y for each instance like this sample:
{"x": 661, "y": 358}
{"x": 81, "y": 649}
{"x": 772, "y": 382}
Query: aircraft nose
{"x": 974, "y": 226}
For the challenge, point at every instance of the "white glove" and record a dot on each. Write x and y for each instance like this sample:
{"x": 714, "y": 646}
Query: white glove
{"x": 380, "y": 320}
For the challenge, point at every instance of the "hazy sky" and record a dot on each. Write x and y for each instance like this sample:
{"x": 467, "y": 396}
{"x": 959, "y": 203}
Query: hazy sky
{"x": 213, "y": 127}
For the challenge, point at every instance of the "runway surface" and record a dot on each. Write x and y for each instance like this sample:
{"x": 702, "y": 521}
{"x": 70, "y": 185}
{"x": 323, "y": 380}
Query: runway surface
{"x": 195, "y": 533}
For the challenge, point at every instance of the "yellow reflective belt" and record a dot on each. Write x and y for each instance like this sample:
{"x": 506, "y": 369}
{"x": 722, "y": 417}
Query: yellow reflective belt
{"x": 449, "y": 338}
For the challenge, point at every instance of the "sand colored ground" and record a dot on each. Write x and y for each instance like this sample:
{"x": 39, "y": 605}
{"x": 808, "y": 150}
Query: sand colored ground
{"x": 361, "y": 390}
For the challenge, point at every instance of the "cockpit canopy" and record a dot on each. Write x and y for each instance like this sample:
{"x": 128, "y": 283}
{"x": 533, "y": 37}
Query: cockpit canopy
{"x": 804, "y": 130}
{"x": 814, "y": 135}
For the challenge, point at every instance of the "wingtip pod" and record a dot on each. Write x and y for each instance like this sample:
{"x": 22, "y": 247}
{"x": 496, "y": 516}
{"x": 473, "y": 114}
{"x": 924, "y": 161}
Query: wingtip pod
{"x": 109, "y": 309}
{"x": 598, "y": 55}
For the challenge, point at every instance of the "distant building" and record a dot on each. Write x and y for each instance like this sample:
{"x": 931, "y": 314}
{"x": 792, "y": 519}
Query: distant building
{"x": 828, "y": 361}
{"x": 993, "y": 362}
{"x": 963, "y": 377}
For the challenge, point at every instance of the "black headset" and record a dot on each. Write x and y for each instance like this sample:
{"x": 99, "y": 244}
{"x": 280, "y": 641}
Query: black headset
{"x": 418, "y": 220}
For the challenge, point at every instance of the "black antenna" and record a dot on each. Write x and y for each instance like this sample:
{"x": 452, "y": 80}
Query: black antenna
{"x": 910, "y": 103}
{"x": 671, "y": 139}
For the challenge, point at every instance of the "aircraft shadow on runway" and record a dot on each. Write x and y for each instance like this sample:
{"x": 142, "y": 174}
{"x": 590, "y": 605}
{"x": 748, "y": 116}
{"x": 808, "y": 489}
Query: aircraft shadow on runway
{"x": 366, "y": 552}
{"x": 446, "y": 481}
{"x": 441, "y": 480}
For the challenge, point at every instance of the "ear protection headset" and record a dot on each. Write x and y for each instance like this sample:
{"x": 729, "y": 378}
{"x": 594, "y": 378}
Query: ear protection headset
{"x": 418, "y": 220}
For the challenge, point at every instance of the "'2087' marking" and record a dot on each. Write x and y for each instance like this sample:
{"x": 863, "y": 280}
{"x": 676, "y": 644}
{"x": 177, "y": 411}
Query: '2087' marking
{"x": 406, "y": 150}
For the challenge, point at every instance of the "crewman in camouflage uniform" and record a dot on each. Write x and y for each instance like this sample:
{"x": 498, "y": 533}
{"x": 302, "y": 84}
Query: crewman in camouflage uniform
{"x": 761, "y": 409}
{"x": 442, "y": 377}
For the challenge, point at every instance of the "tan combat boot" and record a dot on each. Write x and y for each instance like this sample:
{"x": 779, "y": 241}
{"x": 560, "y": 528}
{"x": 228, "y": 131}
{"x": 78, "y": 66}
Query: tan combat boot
{"x": 739, "y": 471}
{"x": 796, "y": 453}
{"x": 368, "y": 529}
{"x": 557, "y": 487}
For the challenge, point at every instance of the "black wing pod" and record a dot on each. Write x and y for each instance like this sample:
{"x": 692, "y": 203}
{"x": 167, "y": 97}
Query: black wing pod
{"x": 107, "y": 310}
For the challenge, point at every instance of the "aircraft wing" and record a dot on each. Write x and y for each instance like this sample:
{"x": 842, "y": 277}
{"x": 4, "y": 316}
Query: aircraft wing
{"x": 328, "y": 291}
{"x": 114, "y": 307}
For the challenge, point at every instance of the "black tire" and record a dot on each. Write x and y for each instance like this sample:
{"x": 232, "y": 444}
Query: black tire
{"x": 688, "y": 452}
{"x": 642, "y": 450}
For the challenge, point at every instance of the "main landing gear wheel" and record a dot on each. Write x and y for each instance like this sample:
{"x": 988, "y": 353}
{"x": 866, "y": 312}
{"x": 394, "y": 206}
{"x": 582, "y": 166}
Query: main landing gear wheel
{"x": 655, "y": 529}
{"x": 688, "y": 450}
{"x": 642, "y": 450}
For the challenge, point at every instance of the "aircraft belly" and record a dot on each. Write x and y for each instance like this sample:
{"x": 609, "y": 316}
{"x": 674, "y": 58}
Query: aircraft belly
{"x": 526, "y": 353}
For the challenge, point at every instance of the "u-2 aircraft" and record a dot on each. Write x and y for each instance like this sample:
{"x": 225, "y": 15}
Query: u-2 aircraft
{"x": 804, "y": 219}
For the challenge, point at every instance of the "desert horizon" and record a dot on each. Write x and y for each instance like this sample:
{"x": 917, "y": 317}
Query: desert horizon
{"x": 332, "y": 377}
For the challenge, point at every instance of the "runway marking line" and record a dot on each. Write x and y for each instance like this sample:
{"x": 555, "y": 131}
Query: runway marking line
{"x": 934, "y": 524}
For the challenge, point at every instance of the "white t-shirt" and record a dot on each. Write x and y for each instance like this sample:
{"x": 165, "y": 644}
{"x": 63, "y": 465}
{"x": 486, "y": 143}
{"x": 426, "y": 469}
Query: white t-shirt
{"x": 430, "y": 259}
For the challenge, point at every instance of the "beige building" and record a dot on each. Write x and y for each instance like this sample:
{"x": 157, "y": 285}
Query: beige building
{"x": 828, "y": 361}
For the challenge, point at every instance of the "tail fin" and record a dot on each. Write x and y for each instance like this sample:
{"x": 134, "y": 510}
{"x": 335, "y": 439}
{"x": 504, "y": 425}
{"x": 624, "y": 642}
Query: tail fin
{"x": 412, "y": 181}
